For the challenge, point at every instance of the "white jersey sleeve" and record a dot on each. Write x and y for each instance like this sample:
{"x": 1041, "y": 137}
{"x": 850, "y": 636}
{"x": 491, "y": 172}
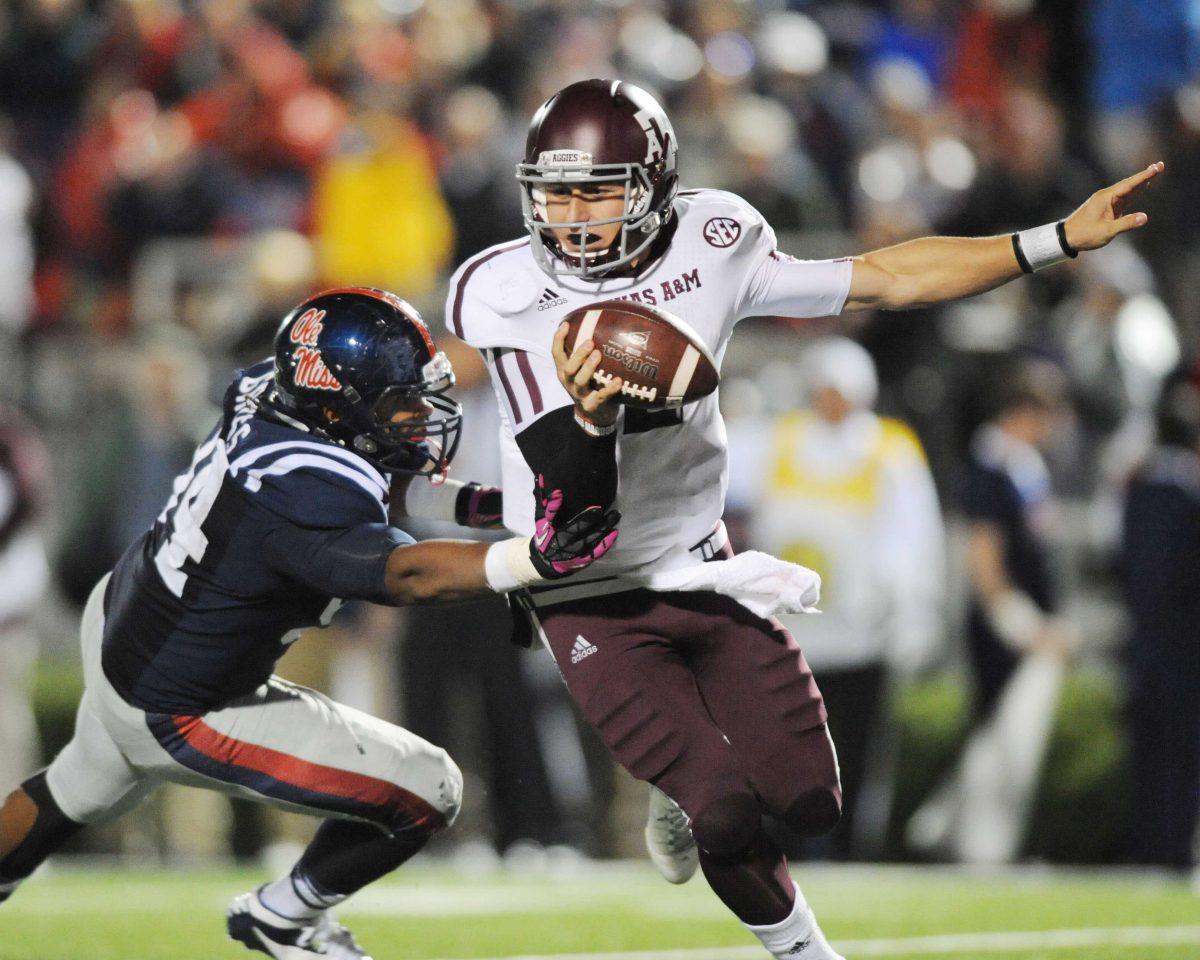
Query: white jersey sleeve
{"x": 783, "y": 286}
{"x": 779, "y": 285}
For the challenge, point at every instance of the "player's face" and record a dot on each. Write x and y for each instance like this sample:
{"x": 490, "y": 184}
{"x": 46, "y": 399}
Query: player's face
{"x": 403, "y": 409}
{"x": 586, "y": 203}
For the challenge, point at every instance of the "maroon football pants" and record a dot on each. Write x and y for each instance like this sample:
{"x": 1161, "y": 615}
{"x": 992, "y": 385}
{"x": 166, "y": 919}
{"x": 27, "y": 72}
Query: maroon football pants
{"x": 714, "y": 705}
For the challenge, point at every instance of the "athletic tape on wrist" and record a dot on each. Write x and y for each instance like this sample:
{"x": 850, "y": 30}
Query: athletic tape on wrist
{"x": 1042, "y": 246}
{"x": 508, "y": 566}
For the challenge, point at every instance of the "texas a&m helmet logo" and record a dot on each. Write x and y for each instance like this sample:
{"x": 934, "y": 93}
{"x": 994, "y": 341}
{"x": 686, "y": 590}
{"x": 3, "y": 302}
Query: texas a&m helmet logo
{"x": 310, "y": 370}
{"x": 656, "y": 138}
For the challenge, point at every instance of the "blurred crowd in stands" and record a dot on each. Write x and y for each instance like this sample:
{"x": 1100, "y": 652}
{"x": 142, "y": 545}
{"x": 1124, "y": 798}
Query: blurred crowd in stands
{"x": 174, "y": 174}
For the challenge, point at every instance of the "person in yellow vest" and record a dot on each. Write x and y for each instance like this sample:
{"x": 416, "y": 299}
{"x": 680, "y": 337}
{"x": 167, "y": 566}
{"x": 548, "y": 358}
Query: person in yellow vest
{"x": 842, "y": 490}
{"x": 379, "y": 217}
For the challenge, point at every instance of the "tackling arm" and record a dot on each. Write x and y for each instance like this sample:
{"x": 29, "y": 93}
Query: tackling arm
{"x": 442, "y": 571}
{"x": 436, "y": 571}
{"x": 378, "y": 563}
{"x": 935, "y": 269}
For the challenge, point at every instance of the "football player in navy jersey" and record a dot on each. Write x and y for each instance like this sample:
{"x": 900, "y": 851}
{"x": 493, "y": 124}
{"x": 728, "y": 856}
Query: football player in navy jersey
{"x": 283, "y": 514}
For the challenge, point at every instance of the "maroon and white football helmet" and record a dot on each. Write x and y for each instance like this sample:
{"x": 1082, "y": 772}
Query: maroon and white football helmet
{"x": 597, "y": 132}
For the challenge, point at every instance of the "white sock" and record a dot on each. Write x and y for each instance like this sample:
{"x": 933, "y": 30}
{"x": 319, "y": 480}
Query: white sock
{"x": 294, "y": 898}
{"x": 797, "y": 936}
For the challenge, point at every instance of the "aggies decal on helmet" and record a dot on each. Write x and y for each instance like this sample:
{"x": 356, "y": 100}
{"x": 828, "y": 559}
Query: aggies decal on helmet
{"x": 592, "y": 133}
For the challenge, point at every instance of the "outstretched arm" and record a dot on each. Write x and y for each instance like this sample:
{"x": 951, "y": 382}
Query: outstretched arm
{"x": 935, "y": 269}
{"x": 442, "y": 571}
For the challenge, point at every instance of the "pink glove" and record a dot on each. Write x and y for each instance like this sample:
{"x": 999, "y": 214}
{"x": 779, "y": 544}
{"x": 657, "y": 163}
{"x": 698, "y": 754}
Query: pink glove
{"x": 560, "y": 550}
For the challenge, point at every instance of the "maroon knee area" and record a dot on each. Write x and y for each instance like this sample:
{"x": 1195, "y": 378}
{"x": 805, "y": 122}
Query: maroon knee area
{"x": 725, "y": 827}
{"x": 816, "y": 811}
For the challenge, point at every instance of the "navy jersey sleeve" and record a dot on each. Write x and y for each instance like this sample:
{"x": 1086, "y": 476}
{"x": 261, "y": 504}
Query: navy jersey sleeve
{"x": 350, "y": 564}
{"x": 312, "y": 484}
{"x": 328, "y": 508}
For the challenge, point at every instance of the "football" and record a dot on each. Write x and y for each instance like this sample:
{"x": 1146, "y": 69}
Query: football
{"x": 662, "y": 361}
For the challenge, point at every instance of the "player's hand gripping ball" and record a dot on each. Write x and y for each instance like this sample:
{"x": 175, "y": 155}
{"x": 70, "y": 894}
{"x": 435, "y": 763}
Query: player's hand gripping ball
{"x": 661, "y": 361}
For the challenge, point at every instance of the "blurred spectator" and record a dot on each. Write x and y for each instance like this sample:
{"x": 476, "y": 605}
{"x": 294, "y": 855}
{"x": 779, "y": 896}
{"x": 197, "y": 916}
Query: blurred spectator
{"x": 47, "y": 48}
{"x": 848, "y": 493}
{"x": 380, "y": 217}
{"x": 1014, "y": 523}
{"x": 1161, "y": 568}
{"x": 16, "y": 241}
{"x": 1118, "y": 342}
{"x": 1029, "y": 176}
{"x": 23, "y": 578}
{"x": 154, "y": 420}
{"x": 1017, "y": 643}
{"x": 1141, "y": 53}
{"x": 476, "y": 175}
{"x": 17, "y": 199}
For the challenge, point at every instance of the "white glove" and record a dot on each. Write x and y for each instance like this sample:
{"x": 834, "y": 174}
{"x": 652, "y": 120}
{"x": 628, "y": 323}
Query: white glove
{"x": 763, "y": 584}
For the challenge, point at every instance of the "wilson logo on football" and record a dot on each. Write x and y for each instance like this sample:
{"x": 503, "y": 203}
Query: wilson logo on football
{"x": 310, "y": 370}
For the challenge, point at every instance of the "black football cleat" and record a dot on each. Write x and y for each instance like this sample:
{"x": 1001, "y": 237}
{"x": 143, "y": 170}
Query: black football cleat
{"x": 257, "y": 928}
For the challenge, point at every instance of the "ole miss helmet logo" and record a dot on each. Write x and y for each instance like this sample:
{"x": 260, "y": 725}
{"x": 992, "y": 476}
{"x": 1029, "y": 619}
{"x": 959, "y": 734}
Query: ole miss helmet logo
{"x": 310, "y": 370}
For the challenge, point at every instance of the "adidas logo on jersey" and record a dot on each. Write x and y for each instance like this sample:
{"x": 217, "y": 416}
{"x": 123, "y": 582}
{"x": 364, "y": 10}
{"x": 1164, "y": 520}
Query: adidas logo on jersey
{"x": 582, "y": 649}
{"x": 550, "y": 299}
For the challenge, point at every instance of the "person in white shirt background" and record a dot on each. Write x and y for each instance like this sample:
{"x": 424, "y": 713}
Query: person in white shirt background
{"x": 24, "y": 575}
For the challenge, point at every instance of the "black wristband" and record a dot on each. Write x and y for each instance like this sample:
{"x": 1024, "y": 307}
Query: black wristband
{"x": 1020, "y": 255}
{"x": 1061, "y": 229}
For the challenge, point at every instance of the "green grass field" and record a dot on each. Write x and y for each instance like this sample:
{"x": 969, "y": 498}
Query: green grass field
{"x": 622, "y": 911}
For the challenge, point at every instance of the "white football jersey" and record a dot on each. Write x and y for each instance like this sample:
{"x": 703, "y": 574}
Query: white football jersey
{"x": 721, "y": 265}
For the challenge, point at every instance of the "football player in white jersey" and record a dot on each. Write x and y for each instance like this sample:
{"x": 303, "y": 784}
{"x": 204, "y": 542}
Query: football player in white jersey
{"x": 711, "y": 704}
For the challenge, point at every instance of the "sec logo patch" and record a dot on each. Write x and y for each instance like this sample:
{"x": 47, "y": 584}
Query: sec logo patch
{"x": 722, "y": 231}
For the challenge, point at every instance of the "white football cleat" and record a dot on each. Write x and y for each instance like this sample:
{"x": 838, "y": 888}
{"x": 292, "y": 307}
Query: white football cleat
{"x": 257, "y": 928}
{"x": 669, "y": 839}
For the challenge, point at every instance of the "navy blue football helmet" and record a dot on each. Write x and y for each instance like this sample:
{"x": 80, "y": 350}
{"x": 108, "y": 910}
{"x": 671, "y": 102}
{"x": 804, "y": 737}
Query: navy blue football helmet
{"x": 358, "y": 366}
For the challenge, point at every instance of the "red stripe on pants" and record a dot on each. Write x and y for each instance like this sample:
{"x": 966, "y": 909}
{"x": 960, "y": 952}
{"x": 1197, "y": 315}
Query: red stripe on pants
{"x": 304, "y": 774}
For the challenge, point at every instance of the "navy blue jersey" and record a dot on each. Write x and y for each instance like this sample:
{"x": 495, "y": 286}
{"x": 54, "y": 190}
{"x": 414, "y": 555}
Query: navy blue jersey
{"x": 989, "y": 494}
{"x": 265, "y": 535}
